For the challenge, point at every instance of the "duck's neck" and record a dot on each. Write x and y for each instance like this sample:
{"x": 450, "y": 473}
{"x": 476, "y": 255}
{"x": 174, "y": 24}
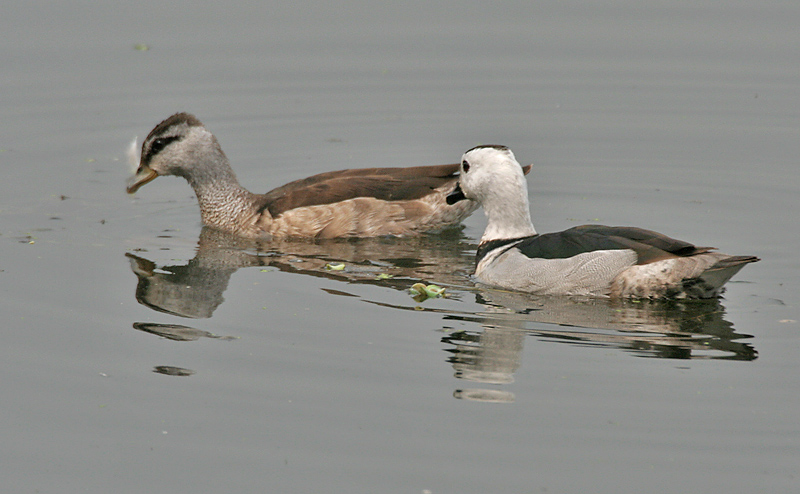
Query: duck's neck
{"x": 507, "y": 219}
{"x": 224, "y": 203}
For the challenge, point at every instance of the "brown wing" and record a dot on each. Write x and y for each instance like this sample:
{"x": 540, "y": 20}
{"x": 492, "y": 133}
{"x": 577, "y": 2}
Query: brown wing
{"x": 388, "y": 184}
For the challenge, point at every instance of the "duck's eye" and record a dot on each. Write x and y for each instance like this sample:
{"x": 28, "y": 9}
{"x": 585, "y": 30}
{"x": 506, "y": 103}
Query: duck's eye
{"x": 465, "y": 166}
{"x": 159, "y": 144}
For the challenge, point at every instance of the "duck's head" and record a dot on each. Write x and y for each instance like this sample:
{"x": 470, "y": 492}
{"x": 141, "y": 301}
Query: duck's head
{"x": 179, "y": 145}
{"x": 489, "y": 172}
{"x": 491, "y": 176}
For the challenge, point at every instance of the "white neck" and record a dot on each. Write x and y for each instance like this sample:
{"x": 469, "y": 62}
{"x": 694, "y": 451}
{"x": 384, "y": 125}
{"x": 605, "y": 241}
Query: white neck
{"x": 492, "y": 176}
{"x": 507, "y": 219}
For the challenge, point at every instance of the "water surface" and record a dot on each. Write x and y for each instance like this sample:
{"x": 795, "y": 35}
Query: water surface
{"x": 139, "y": 356}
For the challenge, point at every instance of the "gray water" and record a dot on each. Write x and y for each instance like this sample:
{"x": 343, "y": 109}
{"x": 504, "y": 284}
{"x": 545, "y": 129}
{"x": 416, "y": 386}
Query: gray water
{"x": 139, "y": 357}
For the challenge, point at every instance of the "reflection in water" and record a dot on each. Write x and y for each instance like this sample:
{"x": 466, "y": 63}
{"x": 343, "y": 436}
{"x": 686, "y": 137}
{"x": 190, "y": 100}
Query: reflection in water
{"x": 177, "y": 332}
{"x": 679, "y": 329}
{"x": 195, "y": 290}
{"x": 169, "y": 370}
{"x": 690, "y": 329}
{"x": 490, "y": 356}
{"x": 484, "y": 395}
{"x": 489, "y": 350}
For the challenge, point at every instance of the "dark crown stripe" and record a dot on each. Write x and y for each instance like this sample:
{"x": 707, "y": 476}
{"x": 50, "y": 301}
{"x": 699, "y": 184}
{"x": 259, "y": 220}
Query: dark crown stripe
{"x": 499, "y": 147}
{"x": 160, "y": 136}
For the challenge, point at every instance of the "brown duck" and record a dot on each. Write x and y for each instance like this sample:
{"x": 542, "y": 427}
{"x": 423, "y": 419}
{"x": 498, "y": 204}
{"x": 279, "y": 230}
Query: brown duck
{"x": 347, "y": 203}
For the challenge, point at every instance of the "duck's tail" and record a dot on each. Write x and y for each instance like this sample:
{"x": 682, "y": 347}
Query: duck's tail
{"x": 695, "y": 276}
{"x": 709, "y": 283}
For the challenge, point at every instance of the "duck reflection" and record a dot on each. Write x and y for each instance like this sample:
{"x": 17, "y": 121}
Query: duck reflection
{"x": 677, "y": 329}
{"x": 490, "y": 356}
{"x": 491, "y": 353}
{"x": 169, "y": 370}
{"x": 488, "y": 351}
{"x": 194, "y": 290}
{"x": 177, "y": 332}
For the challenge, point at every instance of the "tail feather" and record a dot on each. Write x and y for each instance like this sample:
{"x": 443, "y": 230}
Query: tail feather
{"x": 735, "y": 261}
{"x": 696, "y": 276}
{"x": 709, "y": 283}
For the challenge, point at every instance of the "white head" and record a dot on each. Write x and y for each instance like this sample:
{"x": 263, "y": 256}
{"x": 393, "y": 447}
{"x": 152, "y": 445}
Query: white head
{"x": 492, "y": 176}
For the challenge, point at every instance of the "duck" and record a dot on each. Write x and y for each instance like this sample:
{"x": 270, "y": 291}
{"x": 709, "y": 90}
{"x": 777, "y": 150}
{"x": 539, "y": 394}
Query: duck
{"x": 365, "y": 202}
{"x": 588, "y": 260}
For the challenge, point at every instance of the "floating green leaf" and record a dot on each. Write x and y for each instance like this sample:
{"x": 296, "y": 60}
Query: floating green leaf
{"x": 421, "y": 291}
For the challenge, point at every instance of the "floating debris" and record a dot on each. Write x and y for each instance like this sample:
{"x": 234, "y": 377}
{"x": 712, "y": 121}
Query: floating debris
{"x": 169, "y": 370}
{"x": 384, "y": 276}
{"x": 421, "y": 291}
{"x": 335, "y": 266}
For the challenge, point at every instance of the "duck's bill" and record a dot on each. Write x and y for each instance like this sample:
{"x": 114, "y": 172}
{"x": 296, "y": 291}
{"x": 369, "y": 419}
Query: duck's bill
{"x": 143, "y": 175}
{"x": 456, "y": 195}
